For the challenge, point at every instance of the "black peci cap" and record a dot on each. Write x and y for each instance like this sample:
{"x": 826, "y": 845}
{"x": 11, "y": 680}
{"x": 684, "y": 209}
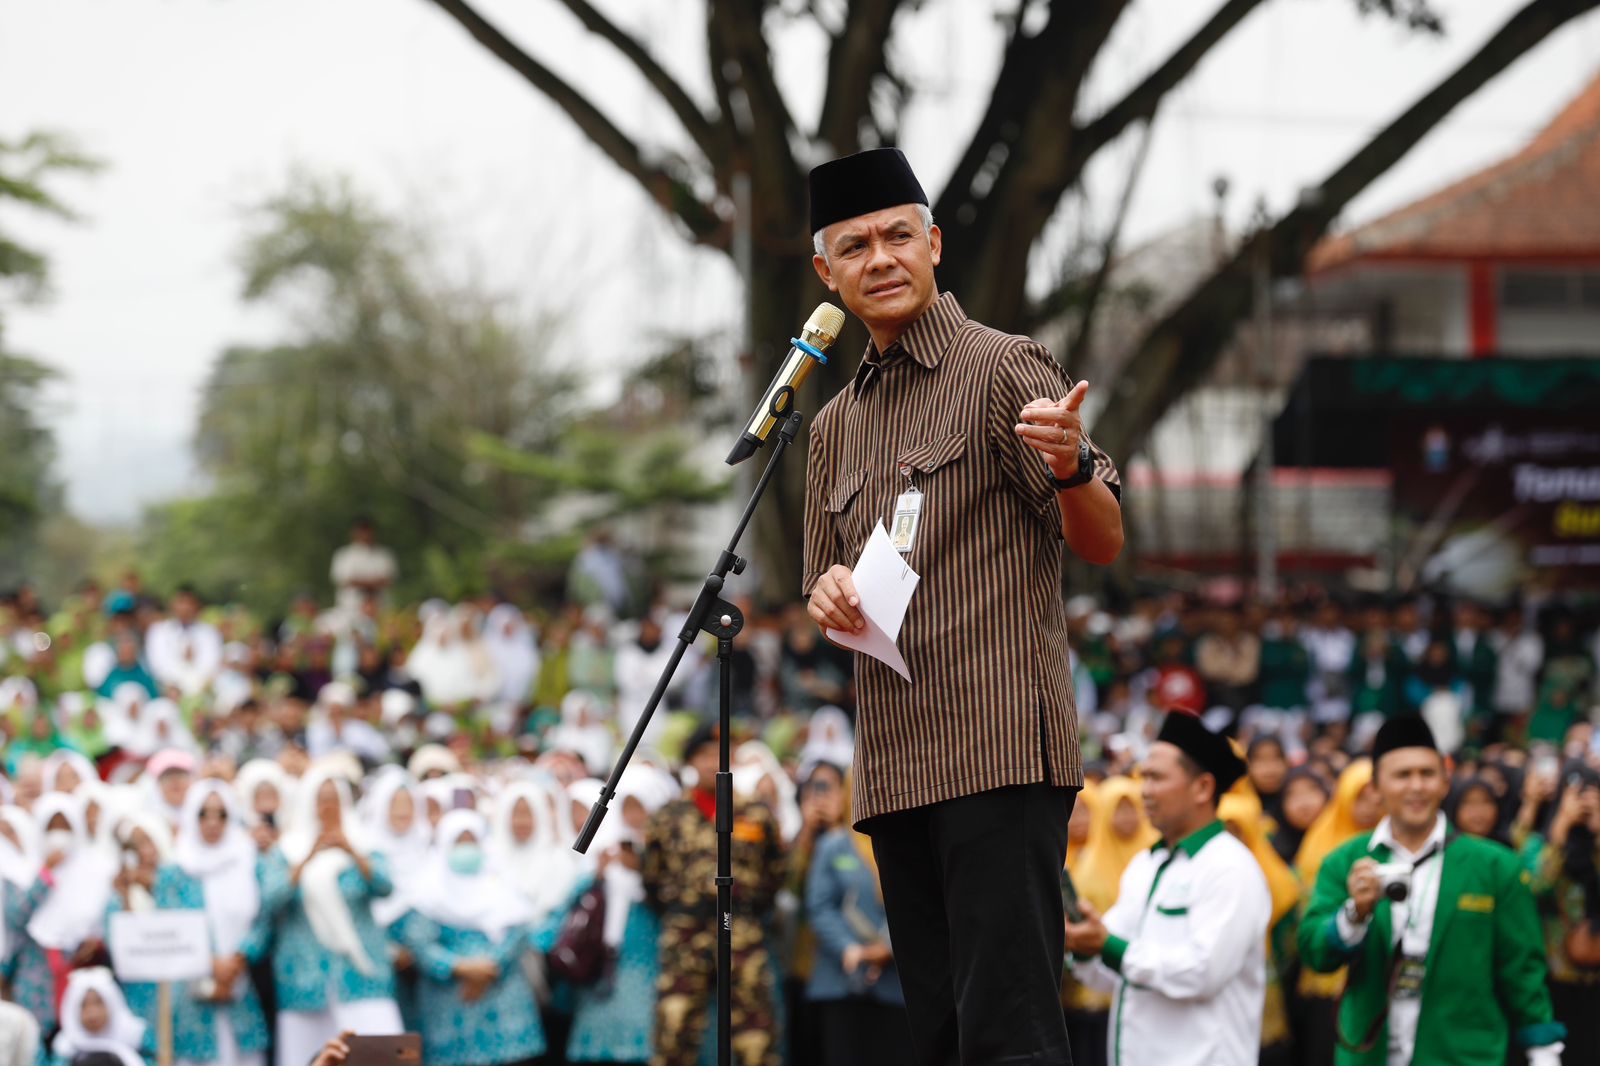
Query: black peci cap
{"x": 861, "y": 184}
{"x": 1213, "y": 753}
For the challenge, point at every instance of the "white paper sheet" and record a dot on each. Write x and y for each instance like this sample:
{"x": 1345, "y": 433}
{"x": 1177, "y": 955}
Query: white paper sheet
{"x": 885, "y": 584}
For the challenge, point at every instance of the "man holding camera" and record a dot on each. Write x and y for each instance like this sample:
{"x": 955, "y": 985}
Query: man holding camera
{"x": 1439, "y": 929}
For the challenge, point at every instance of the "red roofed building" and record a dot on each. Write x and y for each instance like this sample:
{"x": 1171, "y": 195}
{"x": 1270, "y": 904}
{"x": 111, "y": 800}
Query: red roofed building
{"x": 1505, "y": 262}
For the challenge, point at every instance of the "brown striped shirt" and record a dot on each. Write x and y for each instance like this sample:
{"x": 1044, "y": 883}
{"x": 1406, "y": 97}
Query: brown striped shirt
{"x": 985, "y": 638}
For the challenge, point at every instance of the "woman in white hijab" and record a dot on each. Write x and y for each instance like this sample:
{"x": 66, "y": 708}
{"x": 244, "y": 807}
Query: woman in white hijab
{"x": 330, "y": 961}
{"x": 531, "y": 844}
{"x": 613, "y": 1021}
{"x": 468, "y": 930}
{"x": 264, "y": 789}
{"x": 514, "y": 646}
{"x": 124, "y": 717}
{"x": 63, "y": 912}
{"x": 19, "y": 868}
{"x": 96, "y": 1022}
{"x": 395, "y": 817}
{"x": 583, "y": 731}
{"x": 217, "y": 859}
{"x": 65, "y": 770}
{"x": 759, "y": 775}
{"x": 829, "y": 738}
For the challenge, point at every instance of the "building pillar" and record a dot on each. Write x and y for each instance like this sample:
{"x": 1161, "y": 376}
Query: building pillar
{"x": 1483, "y": 308}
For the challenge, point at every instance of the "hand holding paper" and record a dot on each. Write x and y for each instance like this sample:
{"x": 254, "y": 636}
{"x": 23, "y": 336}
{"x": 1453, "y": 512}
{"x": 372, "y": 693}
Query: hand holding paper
{"x": 884, "y": 584}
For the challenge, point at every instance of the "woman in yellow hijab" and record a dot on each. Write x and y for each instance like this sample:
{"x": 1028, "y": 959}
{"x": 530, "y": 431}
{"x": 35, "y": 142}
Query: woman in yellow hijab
{"x": 1118, "y": 830}
{"x": 1241, "y": 811}
{"x": 1354, "y": 809}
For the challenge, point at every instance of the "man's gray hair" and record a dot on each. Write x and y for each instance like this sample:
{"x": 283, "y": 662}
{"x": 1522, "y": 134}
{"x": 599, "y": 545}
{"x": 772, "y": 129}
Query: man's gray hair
{"x": 924, "y": 212}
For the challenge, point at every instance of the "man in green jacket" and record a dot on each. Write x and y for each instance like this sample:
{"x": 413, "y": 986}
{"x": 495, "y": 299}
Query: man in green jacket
{"x": 1446, "y": 971}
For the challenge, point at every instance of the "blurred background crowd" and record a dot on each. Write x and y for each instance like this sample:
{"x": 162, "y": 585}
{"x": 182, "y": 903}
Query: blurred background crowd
{"x": 439, "y": 757}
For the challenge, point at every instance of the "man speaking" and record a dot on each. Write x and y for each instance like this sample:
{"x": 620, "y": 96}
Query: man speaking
{"x": 968, "y": 443}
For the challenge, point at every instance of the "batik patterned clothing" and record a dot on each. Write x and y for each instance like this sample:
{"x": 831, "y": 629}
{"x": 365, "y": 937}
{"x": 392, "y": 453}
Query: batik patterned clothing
{"x": 679, "y": 866}
{"x": 194, "y": 1021}
{"x": 26, "y": 966}
{"x": 501, "y": 1026}
{"x": 613, "y": 1020}
{"x": 303, "y": 970}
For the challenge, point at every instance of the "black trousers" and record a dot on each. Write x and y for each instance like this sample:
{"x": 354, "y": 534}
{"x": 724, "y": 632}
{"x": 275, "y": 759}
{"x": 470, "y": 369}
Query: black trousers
{"x": 972, "y": 887}
{"x": 860, "y": 1032}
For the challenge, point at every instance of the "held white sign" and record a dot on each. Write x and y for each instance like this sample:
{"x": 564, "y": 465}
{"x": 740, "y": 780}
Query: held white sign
{"x": 160, "y": 945}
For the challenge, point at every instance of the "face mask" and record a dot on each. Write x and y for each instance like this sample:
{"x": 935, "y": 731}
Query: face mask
{"x": 59, "y": 840}
{"x": 466, "y": 859}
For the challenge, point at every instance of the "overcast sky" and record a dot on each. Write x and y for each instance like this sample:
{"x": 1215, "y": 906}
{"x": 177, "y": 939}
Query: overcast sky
{"x": 202, "y": 107}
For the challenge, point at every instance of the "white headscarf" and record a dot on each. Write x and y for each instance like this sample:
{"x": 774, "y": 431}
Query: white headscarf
{"x": 155, "y": 827}
{"x": 623, "y": 886}
{"x": 753, "y": 761}
{"x": 514, "y": 647}
{"x": 124, "y": 1030}
{"x": 583, "y": 730}
{"x": 76, "y": 907}
{"x": 407, "y": 853}
{"x": 67, "y": 757}
{"x": 326, "y": 908}
{"x": 19, "y": 862}
{"x": 18, "y": 692}
{"x": 164, "y": 728}
{"x": 249, "y": 780}
{"x": 124, "y": 717}
{"x": 544, "y": 868}
{"x": 226, "y": 870}
{"x": 485, "y": 901}
{"x": 829, "y": 739}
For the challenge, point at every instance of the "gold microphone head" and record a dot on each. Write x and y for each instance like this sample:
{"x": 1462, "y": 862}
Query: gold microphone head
{"x": 823, "y": 327}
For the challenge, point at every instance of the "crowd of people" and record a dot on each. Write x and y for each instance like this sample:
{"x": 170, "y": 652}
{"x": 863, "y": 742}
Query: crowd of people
{"x": 374, "y": 807}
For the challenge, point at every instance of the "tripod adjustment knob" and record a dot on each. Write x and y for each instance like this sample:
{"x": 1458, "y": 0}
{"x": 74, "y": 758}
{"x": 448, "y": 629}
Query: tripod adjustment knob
{"x": 739, "y": 563}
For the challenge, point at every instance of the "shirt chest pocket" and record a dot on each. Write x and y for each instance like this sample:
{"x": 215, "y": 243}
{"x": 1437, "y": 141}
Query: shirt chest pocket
{"x": 932, "y": 455}
{"x": 844, "y": 505}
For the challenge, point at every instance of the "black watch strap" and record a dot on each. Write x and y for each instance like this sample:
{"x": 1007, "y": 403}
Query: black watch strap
{"x": 1085, "y": 472}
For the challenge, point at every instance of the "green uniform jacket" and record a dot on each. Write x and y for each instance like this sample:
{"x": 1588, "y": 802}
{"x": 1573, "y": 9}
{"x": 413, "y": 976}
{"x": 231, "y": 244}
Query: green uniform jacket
{"x": 1486, "y": 971}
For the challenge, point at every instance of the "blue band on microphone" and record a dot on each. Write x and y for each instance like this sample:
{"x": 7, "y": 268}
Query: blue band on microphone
{"x": 815, "y": 353}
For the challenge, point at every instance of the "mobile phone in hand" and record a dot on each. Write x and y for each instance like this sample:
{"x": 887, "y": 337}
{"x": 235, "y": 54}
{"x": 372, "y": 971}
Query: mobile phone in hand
{"x": 403, "y": 1050}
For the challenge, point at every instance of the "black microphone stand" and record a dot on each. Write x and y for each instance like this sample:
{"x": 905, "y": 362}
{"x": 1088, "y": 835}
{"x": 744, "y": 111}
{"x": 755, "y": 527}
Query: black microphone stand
{"x": 715, "y": 615}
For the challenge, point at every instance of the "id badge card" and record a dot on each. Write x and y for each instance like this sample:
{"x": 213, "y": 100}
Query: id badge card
{"x": 907, "y": 516}
{"x": 1408, "y": 981}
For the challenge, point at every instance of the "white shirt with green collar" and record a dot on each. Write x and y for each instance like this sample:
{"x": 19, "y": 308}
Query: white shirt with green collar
{"x": 1186, "y": 955}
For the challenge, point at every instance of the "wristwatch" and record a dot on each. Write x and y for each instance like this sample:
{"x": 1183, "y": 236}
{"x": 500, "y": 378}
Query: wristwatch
{"x": 1085, "y": 472}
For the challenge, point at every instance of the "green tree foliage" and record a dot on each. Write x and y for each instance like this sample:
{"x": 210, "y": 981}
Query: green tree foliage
{"x": 28, "y": 491}
{"x": 425, "y": 403}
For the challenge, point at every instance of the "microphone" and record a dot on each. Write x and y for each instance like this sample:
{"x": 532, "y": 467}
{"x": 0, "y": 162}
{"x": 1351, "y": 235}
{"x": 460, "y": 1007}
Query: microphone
{"x": 820, "y": 331}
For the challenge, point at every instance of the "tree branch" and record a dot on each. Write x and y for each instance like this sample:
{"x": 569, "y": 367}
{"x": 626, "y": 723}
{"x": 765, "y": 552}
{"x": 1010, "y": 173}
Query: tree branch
{"x": 1142, "y": 100}
{"x": 1059, "y": 54}
{"x": 1181, "y": 350}
{"x": 859, "y": 53}
{"x": 1078, "y": 352}
{"x": 674, "y": 196}
{"x": 694, "y": 121}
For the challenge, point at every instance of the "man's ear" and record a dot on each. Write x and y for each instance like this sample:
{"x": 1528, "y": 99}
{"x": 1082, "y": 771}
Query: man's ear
{"x": 820, "y": 262}
{"x": 935, "y": 244}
